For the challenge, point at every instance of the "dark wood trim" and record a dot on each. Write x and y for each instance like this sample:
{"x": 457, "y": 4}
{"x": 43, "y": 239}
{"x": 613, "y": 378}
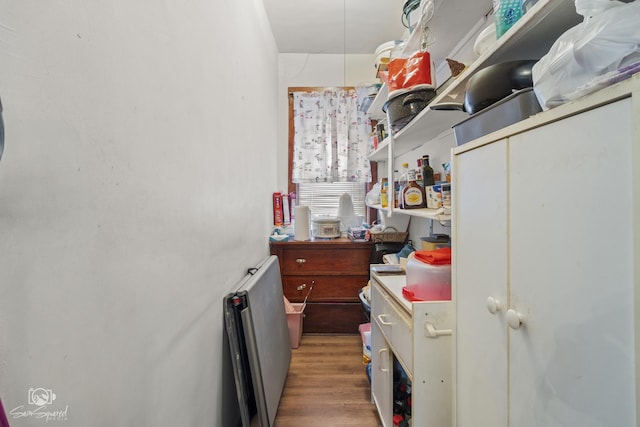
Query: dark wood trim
{"x": 291, "y": 186}
{"x": 373, "y": 213}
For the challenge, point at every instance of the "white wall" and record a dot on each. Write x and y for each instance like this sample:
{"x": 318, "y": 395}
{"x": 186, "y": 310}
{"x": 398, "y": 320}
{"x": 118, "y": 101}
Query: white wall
{"x": 135, "y": 191}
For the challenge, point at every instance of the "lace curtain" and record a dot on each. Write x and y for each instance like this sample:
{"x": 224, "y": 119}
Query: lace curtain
{"x": 331, "y": 137}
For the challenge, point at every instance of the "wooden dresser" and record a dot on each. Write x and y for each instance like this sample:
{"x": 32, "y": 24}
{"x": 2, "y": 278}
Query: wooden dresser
{"x": 338, "y": 269}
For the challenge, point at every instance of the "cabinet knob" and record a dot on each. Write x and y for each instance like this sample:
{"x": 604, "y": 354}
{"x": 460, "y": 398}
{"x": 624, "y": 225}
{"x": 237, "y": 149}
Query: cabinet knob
{"x": 514, "y": 319}
{"x": 301, "y": 287}
{"x": 301, "y": 260}
{"x": 493, "y": 305}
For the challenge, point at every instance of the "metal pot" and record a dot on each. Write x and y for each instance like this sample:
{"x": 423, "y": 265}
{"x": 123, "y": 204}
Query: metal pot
{"x": 491, "y": 84}
{"x": 403, "y": 107}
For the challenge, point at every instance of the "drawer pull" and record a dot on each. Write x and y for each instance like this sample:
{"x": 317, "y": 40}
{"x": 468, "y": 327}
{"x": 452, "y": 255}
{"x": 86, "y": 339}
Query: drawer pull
{"x": 432, "y": 332}
{"x": 301, "y": 260}
{"x": 382, "y": 318}
{"x": 382, "y": 350}
{"x": 301, "y": 287}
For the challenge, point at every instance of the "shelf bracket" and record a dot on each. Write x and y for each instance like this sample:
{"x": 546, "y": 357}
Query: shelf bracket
{"x": 391, "y": 191}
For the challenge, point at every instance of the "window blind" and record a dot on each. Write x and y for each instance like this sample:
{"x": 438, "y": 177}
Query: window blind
{"x": 324, "y": 198}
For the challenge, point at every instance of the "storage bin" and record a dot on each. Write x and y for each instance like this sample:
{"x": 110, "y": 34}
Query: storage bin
{"x": 366, "y": 306}
{"x": 436, "y": 241}
{"x": 365, "y": 334}
{"x": 294, "y": 320}
{"x": 426, "y": 282}
{"x": 389, "y": 235}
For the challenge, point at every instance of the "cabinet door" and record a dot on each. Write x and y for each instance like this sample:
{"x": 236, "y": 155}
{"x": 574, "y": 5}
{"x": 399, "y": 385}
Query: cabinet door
{"x": 431, "y": 391}
{"x": 570, "y": 217}
{"x": 381, "y": 375}
{"x": 480, "y": 262}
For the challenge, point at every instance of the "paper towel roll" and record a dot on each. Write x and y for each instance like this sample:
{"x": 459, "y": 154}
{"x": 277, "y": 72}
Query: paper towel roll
{"x": 301, "y": 225}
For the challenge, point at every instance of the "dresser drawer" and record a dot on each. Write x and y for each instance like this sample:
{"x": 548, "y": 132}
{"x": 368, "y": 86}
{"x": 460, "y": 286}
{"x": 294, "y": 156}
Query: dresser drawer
{"x": 343, "y": 318}
{"x": 325, "y": 260}
{"x": 395, "y": 324}
{"x": 325, "y": 288}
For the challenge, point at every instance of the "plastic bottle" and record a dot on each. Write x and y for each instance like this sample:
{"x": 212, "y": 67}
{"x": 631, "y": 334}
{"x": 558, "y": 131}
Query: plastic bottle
{"x": 413, "y": 196}
{"x": 384, "y": 200}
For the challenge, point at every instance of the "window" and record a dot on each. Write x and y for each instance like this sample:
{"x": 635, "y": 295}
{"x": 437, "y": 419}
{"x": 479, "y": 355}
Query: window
{"x": 324, "y": 198}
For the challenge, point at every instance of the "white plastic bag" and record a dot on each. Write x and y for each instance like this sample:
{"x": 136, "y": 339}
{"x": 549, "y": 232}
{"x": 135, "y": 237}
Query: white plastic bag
{"x": 598, "y": 52}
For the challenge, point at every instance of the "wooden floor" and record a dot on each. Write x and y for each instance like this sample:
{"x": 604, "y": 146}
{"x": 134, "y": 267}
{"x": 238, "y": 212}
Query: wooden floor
{"x": 327, "y": 385}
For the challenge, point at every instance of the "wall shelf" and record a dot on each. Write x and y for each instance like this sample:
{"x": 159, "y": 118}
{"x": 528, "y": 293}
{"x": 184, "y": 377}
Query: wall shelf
{"x": 530, "y": 38}
{"x": 381, "y": 153}
{"x": 375, "y": 109}
{"x": 433, "y": 214}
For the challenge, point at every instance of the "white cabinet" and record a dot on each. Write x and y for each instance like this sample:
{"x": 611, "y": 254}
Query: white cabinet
{"x": 419, "y": 336}
{"x": 480, "y": 246}
{"x": 381, "y": 373}
{"x": 544, "y": 269}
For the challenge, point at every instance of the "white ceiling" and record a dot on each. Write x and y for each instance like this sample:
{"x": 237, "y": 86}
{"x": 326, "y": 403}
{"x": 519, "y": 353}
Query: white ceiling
{"x": 359, "y": 26}
{"x": 334, "y": 26}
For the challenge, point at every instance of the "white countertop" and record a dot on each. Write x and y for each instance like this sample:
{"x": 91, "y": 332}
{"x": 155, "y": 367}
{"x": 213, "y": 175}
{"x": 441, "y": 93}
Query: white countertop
{"x": 393, "y": 284}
